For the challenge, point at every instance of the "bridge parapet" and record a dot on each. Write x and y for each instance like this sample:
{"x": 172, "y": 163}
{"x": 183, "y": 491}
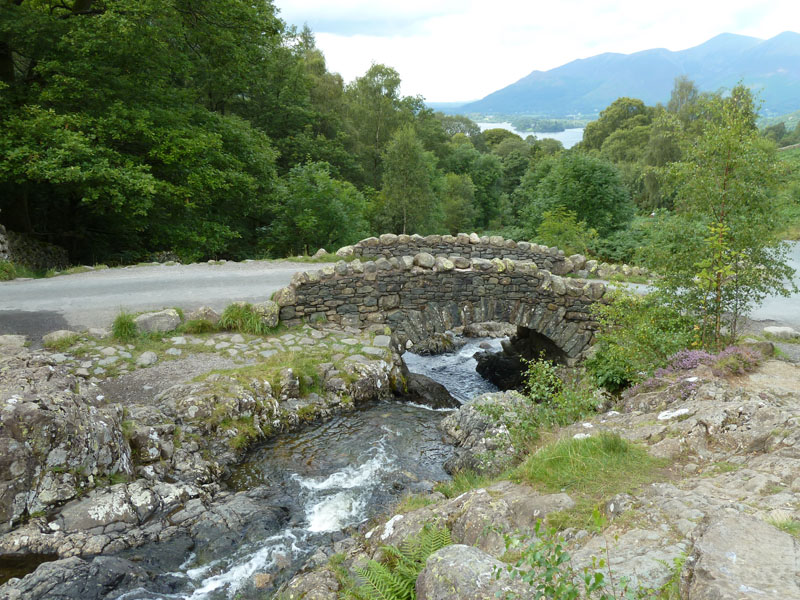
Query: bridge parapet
{"x": 468, "y": 246}
{"x": 423, "y": 295}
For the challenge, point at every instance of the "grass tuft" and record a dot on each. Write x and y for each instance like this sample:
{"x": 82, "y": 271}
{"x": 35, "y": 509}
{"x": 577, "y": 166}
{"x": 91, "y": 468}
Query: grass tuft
{"x": 62, "y": 344}
{"x": 242, "y": 317}
{"x": 196, "y": 326}
{"x": 464, "y": 481}
{"x": 124, "y": 328}
{"x": 590, "y": 470}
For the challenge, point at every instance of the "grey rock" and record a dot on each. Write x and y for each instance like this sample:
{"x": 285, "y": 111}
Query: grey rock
{"x": 146, "y": 359}
{"x": 55, "y": 336}
{"x": 457, "y": 572}
{"x": 739, "y": 556}
{"x": 424, "y": 260}
{"x": 444, "y": 264}
{"x": 268, "y": 311}
{"x": 483, "y": 442}
{"x": 163, "y": 320}
{"x": 76, "y": 579}
{"x": 424, "y": 390}
{"x": 382, "y": 341}
{"x": 316, "y": 585}
{"x": 784, "y": 333}
{"x": 204, "y": 313}
{"x": 53, "y": 438}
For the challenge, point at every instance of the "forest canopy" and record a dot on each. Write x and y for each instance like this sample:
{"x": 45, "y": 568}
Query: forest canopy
{"x": 138, "y": 128}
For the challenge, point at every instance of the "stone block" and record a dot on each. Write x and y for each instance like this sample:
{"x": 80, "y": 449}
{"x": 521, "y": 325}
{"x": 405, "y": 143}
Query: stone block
{"x": 163, "y": 320}
{"x": 424, "y": 260}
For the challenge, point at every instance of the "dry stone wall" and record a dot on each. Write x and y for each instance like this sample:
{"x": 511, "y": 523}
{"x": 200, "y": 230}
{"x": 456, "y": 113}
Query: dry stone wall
{"x": 32, "y": 253}
{"x": 420, "y": 296}
{"x": 467, "y": 246}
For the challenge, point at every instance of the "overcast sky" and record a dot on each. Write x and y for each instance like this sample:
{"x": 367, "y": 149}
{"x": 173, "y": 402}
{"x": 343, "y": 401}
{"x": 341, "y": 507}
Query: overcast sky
{"x": 453, "y": 50}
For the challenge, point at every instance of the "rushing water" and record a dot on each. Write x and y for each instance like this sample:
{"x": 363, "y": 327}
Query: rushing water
{"x": 337, "y": 474}
{"x": 332, "y": 476}
{"x": 456, "y": 371}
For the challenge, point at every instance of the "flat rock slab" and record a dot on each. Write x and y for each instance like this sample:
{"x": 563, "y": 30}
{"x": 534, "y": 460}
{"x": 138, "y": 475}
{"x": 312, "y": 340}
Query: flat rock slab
{"x": 457, "y": 572}
{"x": 741, "y": 557}
{"x": 786, "y": 333}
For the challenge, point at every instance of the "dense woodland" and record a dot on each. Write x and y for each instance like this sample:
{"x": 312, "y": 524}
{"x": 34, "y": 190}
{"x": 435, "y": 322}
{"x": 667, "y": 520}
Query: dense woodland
{"x": 132, "y": 128}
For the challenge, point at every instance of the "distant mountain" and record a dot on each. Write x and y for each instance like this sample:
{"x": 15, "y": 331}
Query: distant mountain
{"x": 586, "y": 86}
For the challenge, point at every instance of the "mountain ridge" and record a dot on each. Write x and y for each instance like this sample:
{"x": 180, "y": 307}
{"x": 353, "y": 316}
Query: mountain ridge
{"x": 585, "y": 86}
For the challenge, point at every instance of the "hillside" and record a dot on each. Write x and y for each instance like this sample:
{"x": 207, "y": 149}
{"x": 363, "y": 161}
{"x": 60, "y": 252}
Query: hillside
{"x": 588, "y": 85}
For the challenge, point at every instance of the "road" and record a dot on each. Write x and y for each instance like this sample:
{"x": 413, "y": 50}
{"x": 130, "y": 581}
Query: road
{"x": 785, "y": 311}
{"x": 93, "y": 299}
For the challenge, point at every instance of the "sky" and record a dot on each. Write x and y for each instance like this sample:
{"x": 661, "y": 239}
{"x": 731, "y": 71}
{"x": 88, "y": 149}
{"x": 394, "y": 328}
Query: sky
{"x": 460, "y": 50}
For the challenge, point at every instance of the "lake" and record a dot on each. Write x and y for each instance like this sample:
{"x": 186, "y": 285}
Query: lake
{"x": 568, "y": 137}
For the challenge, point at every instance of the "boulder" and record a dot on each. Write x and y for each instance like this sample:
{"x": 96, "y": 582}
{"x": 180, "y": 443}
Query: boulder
{"x": 204, "y": 313}
{"x": 457, "y": 571}
{"x": 784, "y": 333}
{"x": 54, "y": 440}
{"x": 506, "y": 372}
{"x": 163, "y": 320}
{"x": 345, "y": 251}
{"x": 739, "y": 556}
{"x": 76, "y": 579}
{"x": 320, "y": 253}
{"x": 480, "y": 432}
{"x": 424, "y": 260}
{"x": 316, "y": 585}
{"x": 424, "y": 390}
{"x": 55, "y": 336}
{"x": 285, "y": 296}
{"x": 268, "y": 312}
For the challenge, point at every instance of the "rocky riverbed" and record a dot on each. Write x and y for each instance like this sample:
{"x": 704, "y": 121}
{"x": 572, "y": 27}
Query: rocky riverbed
{"x": 114, "y": 484}
{"x": 720, "y": 521}
{"x": 140, "y": 480}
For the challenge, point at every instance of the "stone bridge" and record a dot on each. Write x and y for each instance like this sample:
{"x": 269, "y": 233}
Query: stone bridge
{"x": 421, "y": 296}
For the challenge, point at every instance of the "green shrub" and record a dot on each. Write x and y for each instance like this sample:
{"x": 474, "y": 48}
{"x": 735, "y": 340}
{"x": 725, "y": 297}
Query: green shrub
{"x": 124, "y": 328}
{"x": 622, "y": 246}
{"x": 197, "y": 326}
{"x": 637, "y": 335}
{"x": 396, "y": 578}
{"x": 546, "y": 566}
{"x": 243, "y": 318}
{"x": 560, "y": 227}
{"x": 555, "y": 402}
{"x": 7, "y": 271}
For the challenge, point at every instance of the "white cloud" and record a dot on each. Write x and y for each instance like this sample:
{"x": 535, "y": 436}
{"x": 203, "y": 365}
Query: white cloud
{"x": 449, "y": 50}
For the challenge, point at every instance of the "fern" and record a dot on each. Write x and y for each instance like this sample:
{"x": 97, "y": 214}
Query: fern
{"x": 397, "y": 578}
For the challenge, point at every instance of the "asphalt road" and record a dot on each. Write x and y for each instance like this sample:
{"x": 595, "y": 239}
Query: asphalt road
{"x": 783, "y": 310}
{"x": 93, "y": 299}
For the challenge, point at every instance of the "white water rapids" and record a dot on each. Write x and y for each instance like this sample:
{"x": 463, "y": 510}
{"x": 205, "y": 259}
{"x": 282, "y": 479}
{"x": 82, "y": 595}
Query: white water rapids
{"x": 338, "y": 474}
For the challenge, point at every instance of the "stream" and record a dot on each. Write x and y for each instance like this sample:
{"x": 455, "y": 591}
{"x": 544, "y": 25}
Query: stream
{"x": 332, "y": 476}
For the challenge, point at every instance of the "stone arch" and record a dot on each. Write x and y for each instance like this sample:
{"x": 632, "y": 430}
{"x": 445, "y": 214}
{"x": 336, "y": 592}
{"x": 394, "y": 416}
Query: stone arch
{"x": 418, "y": 297}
